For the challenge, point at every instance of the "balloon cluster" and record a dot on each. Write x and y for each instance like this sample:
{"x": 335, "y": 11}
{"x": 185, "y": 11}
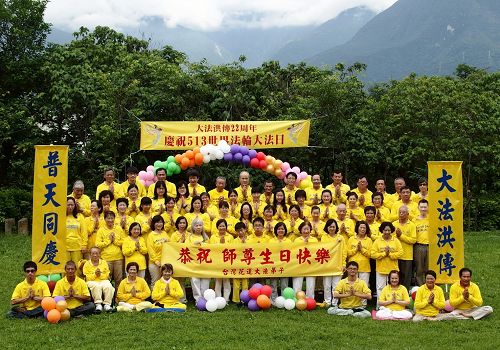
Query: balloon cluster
{"x": 257, "y": 297}
{"x": 55, "y": 309}
{"x": 209, "y": 302}
{"x": 291, "y": 300}
{"x": 50, "y": 280}
{"x": 230, "y": 153}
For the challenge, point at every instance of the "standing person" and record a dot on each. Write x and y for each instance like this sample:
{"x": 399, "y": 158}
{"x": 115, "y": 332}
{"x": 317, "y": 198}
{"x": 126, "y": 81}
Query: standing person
{"x": 122, "y": 219}
{"x": 110, "y": 185}
{"x": 107, "y": 199}
{"x": 405, "y": 200}
{"x": 209, "y": 208}
{"x": 92, "y": 223}
{"x": 326, "y": 207}
{"x": 109, "y": 240}
{"x": 381, "y": 188}
{"x": 466, "y": 298}
{"x": 293, "y": 222}
{"x": 224, "y": 214}
{"x": 406, "y": 232}
{"x": 257, "y": 204}
{"x": 159, "y": 195}
{"x": 145, "y": 215}
{"x": 132, "y": 173}
{"x": 135, "y": 248}
{"x": 167, "y": 291}
{"x": 219, "y": 193}
{"x": 290, "y": 188}
{"x": 423, "y": 191}
{"x": 76, "y": 232}
{"x": 239, "y": 283}
{"x": 180, "y": 235}
{"x": 96, "y": 273}
{"x": 75, "y": 291}
{"x": 346, "y": 225}
{"x": 197, "y": 238}
{"x": 268, "y": 195}
{"x": 170, "y": 215}
{"x": 246, "y": 215}
{"x": 280, "y": 237}
{"x": 28, "y": 294}
{"x": 182, "y": 200}
{"x": 421, "y": 246}
{"x": 340, "y": 250}
{"x": 305, "y": 237}
{"x": 359, "y": 250}
{"x": 338, "y": 189}
{"x": 305, "y": 210}
{"x": 222, "y": 237}
{"x": 244, "y": 190}
{"x": 393, "y": 300}
{"x": 161, "y": 175}
{"x": 354, "y": 212}
{"x": 313, "y": 194}
{"x": 234, "y": 206}
{"x": 317, "y": 224}
{"x": 133, "y": 291}
{"x": 194, "y": 188}
{"x": 351, "y": 291}
{"x": 269, "y": 222}
{"x": 382, "y": 212}
{"x": 82, "y": 200}
{"x": 372, "y": 223}
{"x": 134, "y": 200}
{"x": 197, "y": 212}
{"x": 156, "y": 238}
{"x": 429, "y": 300}
{"x": 280, "y": 207}
{"x": 364, "y": 194}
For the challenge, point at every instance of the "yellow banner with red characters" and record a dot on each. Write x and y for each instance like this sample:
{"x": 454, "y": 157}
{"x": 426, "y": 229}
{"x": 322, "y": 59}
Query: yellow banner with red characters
{"x": 254, "y": 260}
{"x": 48, "y": 238}
{"x": 446, "y": 234}
{"x": 180, "y": 135}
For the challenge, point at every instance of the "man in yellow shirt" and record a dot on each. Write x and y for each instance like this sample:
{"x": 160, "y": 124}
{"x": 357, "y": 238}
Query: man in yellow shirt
{"x": 381, "y": 188}
{"x": 244, "y": 190}
{"x": 132, "y": 173}
{"x": 338, "y": 188}
{"x": 219, "y": 193}
{"x": 429, "y": 300}
{"x": 75, "y": 291}
{"x": 313, "y": 194}
{"x": 465, "y": 297}
{"x": 96, "y": 273}
{"x": 364, "y": 194}
{"x": 421, "y": 247}
{"x": 194, "y": 188}
{"x": 351, "y": 291}
{"x": 407, "y": 235}
{"x": 267, "y": 196}
{"x": 405, "y": 195}
{"x": 109, "y": 184}
{"x": 82, "y": 200}
{"x": 28, "y": 294}
{"x": 161, "y": 175}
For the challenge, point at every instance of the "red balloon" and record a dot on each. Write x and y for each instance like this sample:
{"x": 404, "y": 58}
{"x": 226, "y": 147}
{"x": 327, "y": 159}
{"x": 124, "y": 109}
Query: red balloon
{"x": 413, "y": 295}
{"x": 254, "y": 293}
{"x": 51, "y": 285}
{"x": 266, "y": 290}
{"x": 254, "y": 163}
{"x": 261, "y": 156}
{"x": 311, "y": 304}
{"x": 263, "y": 164}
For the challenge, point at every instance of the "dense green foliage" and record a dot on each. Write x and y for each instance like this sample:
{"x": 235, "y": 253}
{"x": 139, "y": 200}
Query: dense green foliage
{"x": 91, "y": 93}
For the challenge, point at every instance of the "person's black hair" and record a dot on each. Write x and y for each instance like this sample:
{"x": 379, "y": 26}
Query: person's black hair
{"x": 105, "y": 193}
{"x": 145, "y": 201}
{"x": 30, "y": 264}
{"x": 74, "y": 212}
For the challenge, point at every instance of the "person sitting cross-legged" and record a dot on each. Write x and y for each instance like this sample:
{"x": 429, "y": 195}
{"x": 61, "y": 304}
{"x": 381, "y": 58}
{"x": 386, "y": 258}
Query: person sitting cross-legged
{"x": 96, "y": 273}
{"x": 133, "y": 291}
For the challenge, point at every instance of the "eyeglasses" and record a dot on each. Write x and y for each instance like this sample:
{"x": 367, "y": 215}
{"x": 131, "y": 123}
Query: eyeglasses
{"x": 30, "y": 270}
{"x": 423, "y": 184}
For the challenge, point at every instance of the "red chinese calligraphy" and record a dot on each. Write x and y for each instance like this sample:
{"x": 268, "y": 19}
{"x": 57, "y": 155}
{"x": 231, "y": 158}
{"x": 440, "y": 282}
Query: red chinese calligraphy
{"x": 303, "y": 256}
{"x": 185, "y": 256}
{"x": 228, "y": 255}
{"x": 266, "y": 254}
{"x": 248, "y": 256}
{"x": 322, "y": 255}
{"x": 285, "y": 255}
{"x": 202, "y": 256}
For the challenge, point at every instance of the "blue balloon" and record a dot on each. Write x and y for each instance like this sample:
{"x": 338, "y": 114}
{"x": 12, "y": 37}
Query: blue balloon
{"x": 201, "y": 304}
{"x": 252, "y": 305}
{"x": 238, "y": 157}
{"x": 246, "y": 160}
{"x": 228, "y": 157}
{"x": 244, "y": 296}
{"x": 252, "y": 153}
{"x": 235, "y": 149}
{"x": 244, "y": 150}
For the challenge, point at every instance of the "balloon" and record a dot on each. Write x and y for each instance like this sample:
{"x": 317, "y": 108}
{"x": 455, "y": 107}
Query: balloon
{"x": 211, "y": 305}
{"x": 219, "y": 154}
{"x": 235, "y": 149}
{"x": 254, "y": 163}
{"x": 279, "y": 302}
{"x": 198, "y": 159}
{"x": 142, "y": 175}
{"x": 269, "y": 160}
{"x": 185, "y": 161}
{"x": 448, "y": 307}
{"x": 246, "y": 160}
{"x": 311, "y": 304}
{"x": 270, "y": 168}
{"x": 238, "y": 157}
{"x": 252, "y": 153}
{"x": 224, "y": 146}
{"x": 262, "y": 164}
{"x": 177, "y": 169}
{"x": 65, "y": 315}
{"x": 306, "y": 183}
{"x": 297, "y": 183}
{"x": 206, "y": 159}
{"x": 266, "y": 290}
{"x": 277, "y": 164}
{"x": 48, "y": 303}
{"x": 149, "y": 168}
{"x": 296, "y": 170}
{"x": 289, "y": 304}
{"x": 221, "y": 303}
{"x": 149, "y": 176}
{"x": 58, "y": 298}
{"x": 54, "y": 316}
{"x": 45, "y": 312}
{"x": 300, "y": 295}
{"x": 228, "y": 157}
{"x": 288, "y": 293}
{"x": 278, "y": 173}
{"x": 282, "y": 176}
{"x": 209, "y": 294}
{"x": 244, "y": 150}
{"x": 285, "y": 166}
{"x": 196, "y": 150}
{"x": 157, "y": 164}
{"x": 302, "y": 175}
{"x": 178, "y": 158}
{"x": 51, "y": 285}
{"x": 201, "y": 304}
{"x": 191, "y": 163}
{"x": 413, "y": 292}
{"x": 261, "y": 156}
{"x": 171, "y": 166}
{"x": 301, "y": 304}
{"x": 257, "y": 285}
{"x": 244, "y": 296}
{"x": 264, "y": 302}
{"x": 43, "y": 278}
{"x": 252, "y": 305}
{"x": 190, "y": 154}
{"x": 170, "y": 159}
{"x": 254, "y": 292}
{"x": 61, "y": 305}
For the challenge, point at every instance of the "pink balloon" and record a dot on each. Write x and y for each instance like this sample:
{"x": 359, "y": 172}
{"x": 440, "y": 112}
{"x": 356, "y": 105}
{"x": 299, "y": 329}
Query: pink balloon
{"x": 150, "y": 168}
{"x": 150, "y": 176}
{"x": 302, "y": 175}
{"x": 297, "y": 182}
{"x": 447, "y": 306}
{"x": 296, "y": 170}
{"x": 281, "y": 176}
{"x": 285, "y": 166}
{"x": 142, "y": 181}
{"x": 142, "y": 175}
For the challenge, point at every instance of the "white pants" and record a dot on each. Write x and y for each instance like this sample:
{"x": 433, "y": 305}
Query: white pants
{"x": 476, "y": 313}
{"x": 98, "y": 289}
{"x": 310, "y": 284}
{"x": 199, "y": 286}
{"x": 154, "y": 271}
{"x": 381, "y": 282}
{"x": 274, "y": 285}
{"x": 348, "y": 312}
{"x": 388, "y": 314}
{"x": 364, "y": 276}
{"x": 329, "y": 285}
{"x": 223, "y": 282}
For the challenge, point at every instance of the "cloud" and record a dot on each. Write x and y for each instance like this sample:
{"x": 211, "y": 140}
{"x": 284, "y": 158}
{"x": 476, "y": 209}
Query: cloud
{"x": 204, "y": 15}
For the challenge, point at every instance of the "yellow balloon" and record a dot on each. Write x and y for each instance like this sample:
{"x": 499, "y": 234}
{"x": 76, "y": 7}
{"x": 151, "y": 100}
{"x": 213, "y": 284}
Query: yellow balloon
{"x": 277, "y": 164}
{"x": 61, "y": 305}
{"x": 278, "y": 172}
{"x": 300, "y": 295}
{"x": 269, "y": 159}
{"x": 65, "y": 315}
{"x": 270, "y": 168}
{"x": 301, "y": 304}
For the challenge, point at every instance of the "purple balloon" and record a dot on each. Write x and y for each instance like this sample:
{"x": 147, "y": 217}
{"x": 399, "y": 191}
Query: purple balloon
{"x": 246, "y": 160}
{"x": 201, "y": 304}
{"x": 45, "y": 312}
{"x": 235, "y": 149}
{"x": 228, "y": 157}
{"x": 238, "y": 157}
{"x": 244, "y": 150}
{"x": 252, "y": 305}
{"x": 257, "y": 285}
{"x": 252, "y": 153}
{"x": 244, "y": 297}
{"x": 58, "y": 298}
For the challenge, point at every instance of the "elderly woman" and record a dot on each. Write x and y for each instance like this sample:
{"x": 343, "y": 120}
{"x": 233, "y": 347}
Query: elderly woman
{"x": 197, "y": 237}
{"x": 96, "y": 273}
{"x": 393, "y": 300}
{"x": 133, "y": 291}
{"x": 167, "y": 292}
{"x": 305, "y": 237}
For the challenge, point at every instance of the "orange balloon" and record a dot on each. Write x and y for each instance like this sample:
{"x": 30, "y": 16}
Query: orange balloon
{"x": 190, "y": 154}
{"x": 53, "y": 316}
{"x": 278, "y": 172}
{"x": 301, "y": 304}
{"x": 191, "y": 163}
{"x": 184, "y": 167}
{"x": 196, "y": 150}
{"x": 61, "y": 305}
{"x": 185, "y": 162}
{"x": 198, "y": 159}
{"x": 178, "y": 158}
{"x": 300, "y": 295}
{"x": 48, "y": 303}
{"x": 65, "y": 315}
{"x": 263, "y": 301}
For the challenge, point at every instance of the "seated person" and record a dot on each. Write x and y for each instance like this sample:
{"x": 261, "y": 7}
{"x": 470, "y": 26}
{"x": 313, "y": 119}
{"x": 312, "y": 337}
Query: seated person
{"x": 466, "y": 298}
{"x": 96, "y": 273}
{"x": 351, "y": 292}
{"x": 393, "y": 300}
{"x": 429, "y": 300}
{"x": 133, "y": 291}
{"x": 167, "y": 291}
{"x": 28, "y": 294}
{"x": 75, "y": 291}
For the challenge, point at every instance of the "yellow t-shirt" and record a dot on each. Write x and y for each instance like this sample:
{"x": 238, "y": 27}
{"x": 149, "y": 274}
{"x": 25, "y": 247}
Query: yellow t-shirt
{"x": 79, "y": 288}
{"x": 176, "y": 236}
{"x": 117, "y": 190}
{"x": 342, "y": 198}
{"x": 110, "y": 251}
{"x": 374, "y": 230}
{"x": 401, "y": 295}
{"x": 351, "y": 302}
{"x": 311, "y": 194}
{"x": 143, "y": 220}
{"x": 407, "y": 238}
{"x": 327, "y": 212}
{"x": 170, "y": 219}
{"x": 290, "y": 193}
{"x": 292, "y": 230}
{"x": 155, "y": 243}
{"x": 199, "y": 189}
{"x": 127, "y": 219}
{"x": 244, "y": 198}
{"x": 422, "y": 306}
{"x": 141, "y": 289}
{"x": 134, "y": 254}
{"x": 216, "y": 195}
{"x": 458, "y": 301}
{"x": 384, "y": 264}
{"x": 76, "y": 233}
{"x": 89, "y": 270}
{"x": 171, "y": 190}
{"x": 92, "y": 230}
{"x": 133, "y": 212}
{"x": 367, "y": 195}
{"x": 422, "y": 228}
{"x": 159, "y": 296}
{"x": 258, "y": 239}
{"x": 300, "y": 239}
{"x": 285, "y": 240}
{"x": 361, "y": 257}
{"x": 348, "y": 230}
{"x": 230, "y": 225}
{"x": 141, "y": 189}
{"x": 358, "y": 212}
{"x": 207, "y": 223}
{"x": 318, "y": 229}
{"x": 40, "y": 289}
{"x": 84, "y": 204}
{"x": 215, "y": 239}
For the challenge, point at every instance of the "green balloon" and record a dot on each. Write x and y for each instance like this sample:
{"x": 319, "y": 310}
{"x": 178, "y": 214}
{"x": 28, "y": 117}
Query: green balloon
{"x": 171, "y": 167}
{"x": 169, "y": 172}
{"x": 288, "y": 293}
{"x": 55, "y": 277}
{"x": 157, "y": 164}
{"x": 177, "y": 169}
{"x": 170, "y": 159}
{"x": 43, "y": 278}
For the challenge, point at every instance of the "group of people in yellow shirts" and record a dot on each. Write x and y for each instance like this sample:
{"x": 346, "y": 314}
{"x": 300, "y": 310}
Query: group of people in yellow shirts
{"x": 379, "y": 234}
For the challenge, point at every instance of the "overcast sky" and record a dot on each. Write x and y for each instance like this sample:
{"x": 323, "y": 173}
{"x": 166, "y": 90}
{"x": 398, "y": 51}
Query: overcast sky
{"x": 205, "y": 15}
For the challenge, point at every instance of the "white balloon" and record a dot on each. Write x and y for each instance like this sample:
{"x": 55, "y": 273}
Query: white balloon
{"x": 289, "y": 304}
{"x": 226, "y": 148}
{"x": 213, "y": 156}
{"x": 203, "y": 150}
{"x": 211, "y": 304}
{"x": 221, "y": 302}
{"x": 209, "y": 294}
{"x": 206, "y": 159}
{"x": 219, "y": 154}
{"x": 222, "y": 143}
{"x": 279, "y": 302}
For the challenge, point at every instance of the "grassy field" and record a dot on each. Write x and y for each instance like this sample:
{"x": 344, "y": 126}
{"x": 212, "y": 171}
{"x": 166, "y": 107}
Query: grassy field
{"x": 233, "y": 328}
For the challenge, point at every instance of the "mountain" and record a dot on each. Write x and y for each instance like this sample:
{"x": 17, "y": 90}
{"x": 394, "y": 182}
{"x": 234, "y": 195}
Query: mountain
{"x": 423, "y": 36}
{"x": 328, "y": 35}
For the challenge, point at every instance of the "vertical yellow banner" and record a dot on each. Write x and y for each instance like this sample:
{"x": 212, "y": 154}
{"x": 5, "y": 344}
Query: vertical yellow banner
{"x": 446, "y": 235}
{"x": 49, "y": 208}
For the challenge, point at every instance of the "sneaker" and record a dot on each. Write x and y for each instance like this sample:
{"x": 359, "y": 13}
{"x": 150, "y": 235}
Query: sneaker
{"x": 107, "y": 308}
{"x": 98, "y": 308}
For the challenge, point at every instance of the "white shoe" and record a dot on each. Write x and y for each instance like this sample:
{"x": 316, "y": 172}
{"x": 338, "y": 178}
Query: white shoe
{"x": 98, "y": 308}
{"x": 107, "y": 308}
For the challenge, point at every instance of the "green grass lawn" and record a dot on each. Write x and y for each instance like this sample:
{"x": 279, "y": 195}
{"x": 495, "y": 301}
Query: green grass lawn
{"x": 234, "y": 328}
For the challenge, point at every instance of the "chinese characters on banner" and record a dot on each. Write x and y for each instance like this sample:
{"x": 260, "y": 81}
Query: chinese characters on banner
{"x": 253, "y": 260}
{"x": 446, "y": 236}
{"x": 181, "y": 135}
{"x": 49, "y": 208}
